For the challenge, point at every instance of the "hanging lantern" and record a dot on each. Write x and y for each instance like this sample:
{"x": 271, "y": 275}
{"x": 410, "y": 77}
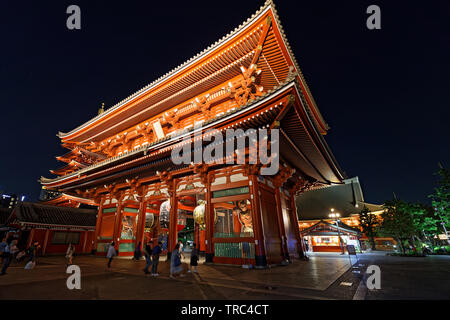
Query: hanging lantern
{"x": 149, "y": 221}
{"x": 199, "y": 214}
{"x": 181, "y": 220}
{"x": 164, "y": 215}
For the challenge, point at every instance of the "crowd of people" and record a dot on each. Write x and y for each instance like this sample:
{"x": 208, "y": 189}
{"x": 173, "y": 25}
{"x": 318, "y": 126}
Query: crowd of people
{"x": 10, "y": 252}
{"x": 152, "y": 256}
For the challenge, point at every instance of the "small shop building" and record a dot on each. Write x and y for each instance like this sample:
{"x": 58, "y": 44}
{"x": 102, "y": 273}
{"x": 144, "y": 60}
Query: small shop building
{"x": 53, "y": 227}
{"x": 322, "y": 233}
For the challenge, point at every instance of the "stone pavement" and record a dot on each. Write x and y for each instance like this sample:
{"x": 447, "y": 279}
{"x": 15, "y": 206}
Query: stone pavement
{"x": 410, "y": 277}
{"x": 126, "y": 280}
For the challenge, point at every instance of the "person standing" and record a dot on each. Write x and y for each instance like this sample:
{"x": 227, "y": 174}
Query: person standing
{"x": 69, "y": 254}
{"x": 194, "y": 259}
{"x": 111, "y": 253}
{"x": 175, "y": 262}
{"x": 180, "y": 243}
{"x": 137, "y": 253}
{"x": 148, "y": 256}
{"x": 6, "y": 254}
{"x": 156, "y": 252}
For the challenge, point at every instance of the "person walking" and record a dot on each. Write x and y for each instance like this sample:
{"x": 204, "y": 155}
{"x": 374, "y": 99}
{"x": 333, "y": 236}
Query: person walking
{"x": 148, "y": 256}
{"x": 69, "y": 254}
{"x": 32, "y": 251}
{"x": 111, "y": 253}
{"x": 6, "y": 255}
{"x": 137, "y": 253}
{"x": 175, "y": 262}
{"x": 155, "y": 258}
{"x": 194, "y": 259}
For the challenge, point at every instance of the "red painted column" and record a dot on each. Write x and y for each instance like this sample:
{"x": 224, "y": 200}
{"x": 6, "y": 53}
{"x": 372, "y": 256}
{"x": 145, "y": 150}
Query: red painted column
{"x": 260, "y": 252}
{"x": 172, "y": 238}
{"x": 282, "y": 230}
{"x": 294, "y": 221}
{"x": 30, "y": 238}
{"x": 118, "y": 224}
{"x": 44, "y": 248}
{"x": 141, "y": 223}
{"x": 209, "y": 221}
{"x": 85, "y": 241}
{"x": 99, "y": 222}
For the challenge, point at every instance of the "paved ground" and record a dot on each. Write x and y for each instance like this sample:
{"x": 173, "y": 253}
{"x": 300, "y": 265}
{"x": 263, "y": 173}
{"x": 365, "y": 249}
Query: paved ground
{"x": 410, "y": 278}
{"x": 322, "y": 277}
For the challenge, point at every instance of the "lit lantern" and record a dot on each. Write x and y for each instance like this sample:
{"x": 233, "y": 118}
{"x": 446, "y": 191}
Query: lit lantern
{"x": 164, "y": 217}
{"x": 149, "y": 221}
{"x": 181, "y": 220}
{"x": 199, "y": 214}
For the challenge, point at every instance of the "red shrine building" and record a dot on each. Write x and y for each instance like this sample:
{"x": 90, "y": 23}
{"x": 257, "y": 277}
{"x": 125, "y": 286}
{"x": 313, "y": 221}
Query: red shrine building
{"x": 121, "y": 161}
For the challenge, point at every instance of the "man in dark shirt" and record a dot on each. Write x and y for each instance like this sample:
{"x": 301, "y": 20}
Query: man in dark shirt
{"x": 156, "y": 253}
{"x": 148, "y": 256}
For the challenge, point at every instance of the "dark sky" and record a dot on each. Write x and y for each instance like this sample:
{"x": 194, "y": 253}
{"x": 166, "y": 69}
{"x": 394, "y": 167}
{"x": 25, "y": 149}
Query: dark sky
{"x": 385, "y": 93}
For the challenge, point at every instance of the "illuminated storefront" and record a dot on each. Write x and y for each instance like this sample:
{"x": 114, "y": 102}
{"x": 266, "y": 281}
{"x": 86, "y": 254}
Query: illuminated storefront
{"x": 326, "y": 237}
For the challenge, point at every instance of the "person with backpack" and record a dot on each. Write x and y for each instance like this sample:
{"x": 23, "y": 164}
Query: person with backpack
{"x": 111, "y": 253}
{"x": 155, "y": 257}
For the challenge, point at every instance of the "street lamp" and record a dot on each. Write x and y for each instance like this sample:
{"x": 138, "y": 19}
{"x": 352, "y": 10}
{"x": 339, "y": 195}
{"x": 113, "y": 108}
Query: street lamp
{"x": 335, "y": 217}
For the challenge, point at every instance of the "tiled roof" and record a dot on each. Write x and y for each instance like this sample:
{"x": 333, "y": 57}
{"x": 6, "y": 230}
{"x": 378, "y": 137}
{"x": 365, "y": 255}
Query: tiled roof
{"x": 53, "y": 215}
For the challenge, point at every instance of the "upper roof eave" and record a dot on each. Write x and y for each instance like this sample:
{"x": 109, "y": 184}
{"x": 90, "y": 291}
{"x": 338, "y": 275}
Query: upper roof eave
{"x": 269, "y": 5}
{"x": 160, "y": 143}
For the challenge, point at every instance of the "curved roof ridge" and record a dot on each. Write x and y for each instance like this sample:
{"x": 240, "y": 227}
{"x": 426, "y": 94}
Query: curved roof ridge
{"x": 267, "y": 4}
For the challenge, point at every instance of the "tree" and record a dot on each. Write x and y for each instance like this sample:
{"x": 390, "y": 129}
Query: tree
{"x": 398, "y": 222}
{"x": 369, "y": 223}
{"x": 440, "y": 199}
{"x": 425, "y": 221}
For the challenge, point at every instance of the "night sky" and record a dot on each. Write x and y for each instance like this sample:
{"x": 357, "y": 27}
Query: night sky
{"x": 385, "y": 93}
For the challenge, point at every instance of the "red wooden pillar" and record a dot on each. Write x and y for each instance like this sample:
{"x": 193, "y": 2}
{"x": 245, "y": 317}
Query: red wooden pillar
{"x": 260, "y": 252}
{"x": 172, "y": 238}
{"x": 282, "y": 230}
{"x": 99, "y": 222}
{"x": 44, "y": 248}
{"x": 30, "y": 238}
{"x": 85, "y": 240}
{"x": 141, "y": 223}
{"x": 294, "y": 221}
{"x": 118, "y": 224}
{"x": 209, "y": 221}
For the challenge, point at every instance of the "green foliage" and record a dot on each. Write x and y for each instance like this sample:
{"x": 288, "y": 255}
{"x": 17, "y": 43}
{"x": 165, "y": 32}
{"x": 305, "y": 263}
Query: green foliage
{"x": 440, "y": 199}
{"x": 398, "y": 221}
{"x": 369, "y": 223}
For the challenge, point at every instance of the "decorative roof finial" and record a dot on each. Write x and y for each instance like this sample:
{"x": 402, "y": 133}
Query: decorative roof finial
{"x": 102, "y": 109}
